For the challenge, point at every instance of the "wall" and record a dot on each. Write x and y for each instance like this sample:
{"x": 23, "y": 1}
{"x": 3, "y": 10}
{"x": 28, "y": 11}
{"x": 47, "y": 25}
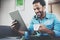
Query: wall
{"x": 8, "y": 6}
{"x": 0, "y": 11}
{"x": 55, "y": 10}
{"x": 28, "y": 12}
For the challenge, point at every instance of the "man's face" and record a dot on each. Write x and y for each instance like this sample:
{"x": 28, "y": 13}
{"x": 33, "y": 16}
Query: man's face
{"x": 39, "y": 9}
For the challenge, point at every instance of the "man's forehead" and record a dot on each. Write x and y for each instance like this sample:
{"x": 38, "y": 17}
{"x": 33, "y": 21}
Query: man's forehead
{"x": 37, "y": 4}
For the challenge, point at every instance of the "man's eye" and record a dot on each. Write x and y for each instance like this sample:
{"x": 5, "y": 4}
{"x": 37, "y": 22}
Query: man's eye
{"x": 38, "y": 8}
{"x": 34, "y": 9}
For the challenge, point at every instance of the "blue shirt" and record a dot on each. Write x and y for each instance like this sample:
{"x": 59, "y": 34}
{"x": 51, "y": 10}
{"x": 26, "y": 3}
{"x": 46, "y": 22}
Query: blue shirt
{"x": 49, "y": 21}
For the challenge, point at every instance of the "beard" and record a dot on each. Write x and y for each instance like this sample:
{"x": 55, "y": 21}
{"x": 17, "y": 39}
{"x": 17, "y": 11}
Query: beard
{"x": 39, "y": 14}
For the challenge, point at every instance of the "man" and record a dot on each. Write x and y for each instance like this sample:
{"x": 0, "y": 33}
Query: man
{"x": 49, "y": 25}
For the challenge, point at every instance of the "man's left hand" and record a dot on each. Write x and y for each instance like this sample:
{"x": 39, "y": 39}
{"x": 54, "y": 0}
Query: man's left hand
{"x": 43, "y": 29}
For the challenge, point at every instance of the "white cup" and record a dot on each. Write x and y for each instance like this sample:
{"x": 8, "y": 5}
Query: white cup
{"x": 36, "y": 27}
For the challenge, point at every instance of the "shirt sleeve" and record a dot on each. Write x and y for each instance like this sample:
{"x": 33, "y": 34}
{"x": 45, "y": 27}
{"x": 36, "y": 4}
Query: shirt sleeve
{"x": 30, "y": 28}
{"x": 56, "y": 27}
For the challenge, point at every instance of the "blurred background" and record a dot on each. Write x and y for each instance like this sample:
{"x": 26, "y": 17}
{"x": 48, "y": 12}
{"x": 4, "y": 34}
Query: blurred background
{"x": 26, "y": 11}
{"x": 7, "y": 6}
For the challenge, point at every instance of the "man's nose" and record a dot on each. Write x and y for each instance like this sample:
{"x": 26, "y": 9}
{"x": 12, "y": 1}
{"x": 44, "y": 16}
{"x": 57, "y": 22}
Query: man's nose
{"x": 37, "y": 11}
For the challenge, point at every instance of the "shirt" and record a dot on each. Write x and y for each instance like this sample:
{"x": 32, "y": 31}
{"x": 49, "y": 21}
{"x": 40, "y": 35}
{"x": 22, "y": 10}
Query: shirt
{"x": 50, "y": 21}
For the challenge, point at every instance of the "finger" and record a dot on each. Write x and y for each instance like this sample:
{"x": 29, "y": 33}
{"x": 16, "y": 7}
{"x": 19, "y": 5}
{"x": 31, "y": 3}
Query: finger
{"x": 13, "y": 26}
{"x": 14, "y": 23}
{"x": 40, "y": 26}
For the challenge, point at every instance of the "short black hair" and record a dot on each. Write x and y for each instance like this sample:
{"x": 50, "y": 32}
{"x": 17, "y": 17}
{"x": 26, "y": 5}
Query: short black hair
{"x": 42, "y": 2}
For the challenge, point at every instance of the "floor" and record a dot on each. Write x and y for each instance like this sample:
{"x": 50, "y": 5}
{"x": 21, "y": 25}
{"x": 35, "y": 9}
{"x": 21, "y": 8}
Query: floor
{"x": 10, "y": 38}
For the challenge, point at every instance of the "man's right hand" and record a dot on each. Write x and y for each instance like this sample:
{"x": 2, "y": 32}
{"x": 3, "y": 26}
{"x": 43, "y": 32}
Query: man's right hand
{"x": 15, "y": 25}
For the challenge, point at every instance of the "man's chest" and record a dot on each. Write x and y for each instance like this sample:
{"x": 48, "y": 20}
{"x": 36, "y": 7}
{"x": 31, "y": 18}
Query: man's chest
{"x": 49, "y": 23}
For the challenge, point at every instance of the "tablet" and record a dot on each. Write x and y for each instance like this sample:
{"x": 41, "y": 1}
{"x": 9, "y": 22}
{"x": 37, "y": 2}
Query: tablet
{"x": 16, "y": 16}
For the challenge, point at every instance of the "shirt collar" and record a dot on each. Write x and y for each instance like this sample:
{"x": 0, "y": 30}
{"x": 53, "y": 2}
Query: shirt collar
{"x": 47, "y": 16}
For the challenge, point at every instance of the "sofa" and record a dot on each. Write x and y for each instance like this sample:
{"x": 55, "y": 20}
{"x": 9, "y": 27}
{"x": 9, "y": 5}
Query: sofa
{"x": 7, "y": 31}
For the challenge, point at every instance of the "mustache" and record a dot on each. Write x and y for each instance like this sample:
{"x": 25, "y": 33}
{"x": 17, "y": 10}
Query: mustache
{"x": 39, "y": 12}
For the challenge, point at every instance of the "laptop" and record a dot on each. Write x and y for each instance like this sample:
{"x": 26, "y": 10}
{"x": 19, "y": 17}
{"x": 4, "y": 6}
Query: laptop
{"x": 16, "y": 16}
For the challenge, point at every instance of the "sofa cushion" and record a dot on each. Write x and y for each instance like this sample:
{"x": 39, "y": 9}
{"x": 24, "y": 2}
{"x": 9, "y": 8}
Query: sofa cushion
{"x": 7, "y": 31}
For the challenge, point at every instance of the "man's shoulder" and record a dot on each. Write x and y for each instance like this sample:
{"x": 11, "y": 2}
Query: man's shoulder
{"x": 50, "y": 15}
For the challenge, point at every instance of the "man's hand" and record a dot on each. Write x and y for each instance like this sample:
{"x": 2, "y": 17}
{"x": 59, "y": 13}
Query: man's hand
{"x": 15, "y": 26}
{"x": 43, "y": 29}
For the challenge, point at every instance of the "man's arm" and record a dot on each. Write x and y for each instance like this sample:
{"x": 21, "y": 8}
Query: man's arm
{"x": 43, "y": 29}
{"x": 55, "y": 31}
{"x": 56, "y": 27}
{"x": 15, "y": 25}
